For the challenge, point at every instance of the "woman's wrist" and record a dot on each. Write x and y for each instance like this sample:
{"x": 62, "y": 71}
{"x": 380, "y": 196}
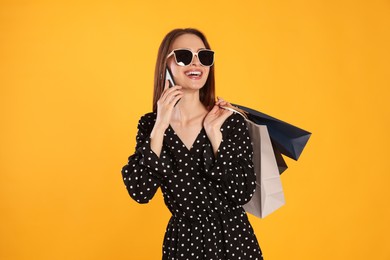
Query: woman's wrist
{"x": 159, "y": 128}
{"x": 212, "y": 130}
{"x": 156, "y": 139}
{"x": 157, "y": 133}
{"x": 215, "y": 137}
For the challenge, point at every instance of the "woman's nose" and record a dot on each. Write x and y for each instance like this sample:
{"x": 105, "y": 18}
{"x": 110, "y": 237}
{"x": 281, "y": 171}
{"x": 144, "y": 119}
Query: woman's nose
{"x": 195, "y": 60}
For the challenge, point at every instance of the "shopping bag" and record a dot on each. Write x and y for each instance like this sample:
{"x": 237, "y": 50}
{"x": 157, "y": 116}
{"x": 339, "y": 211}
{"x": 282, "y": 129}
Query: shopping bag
{"x": 268, "y": 195}
{"x": 286, "y": 138}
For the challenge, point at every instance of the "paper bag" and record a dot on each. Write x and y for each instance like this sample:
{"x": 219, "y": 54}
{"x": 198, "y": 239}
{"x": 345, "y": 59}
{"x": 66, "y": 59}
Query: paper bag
{"x": 268, "y": 195}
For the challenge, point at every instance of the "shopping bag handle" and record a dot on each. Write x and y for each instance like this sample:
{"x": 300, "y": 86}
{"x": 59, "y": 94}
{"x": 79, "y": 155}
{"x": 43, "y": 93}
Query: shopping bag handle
{"x": 237, "y": 110}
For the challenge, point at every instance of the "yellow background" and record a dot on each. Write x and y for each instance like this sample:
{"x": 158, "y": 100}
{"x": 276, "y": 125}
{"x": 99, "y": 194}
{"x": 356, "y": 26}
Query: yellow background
{"x": 75, "y": 76}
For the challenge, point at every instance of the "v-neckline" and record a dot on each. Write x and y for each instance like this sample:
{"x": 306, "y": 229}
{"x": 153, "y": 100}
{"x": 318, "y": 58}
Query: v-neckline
{"x": 183, "y": 144}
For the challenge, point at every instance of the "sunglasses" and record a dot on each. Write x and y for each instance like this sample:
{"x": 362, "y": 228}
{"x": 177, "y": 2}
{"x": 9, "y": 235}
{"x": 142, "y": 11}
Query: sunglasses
{"x": 184, "y": 57}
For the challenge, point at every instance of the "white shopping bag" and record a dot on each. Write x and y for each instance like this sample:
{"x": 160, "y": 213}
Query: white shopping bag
{"x": 268, "y": 195}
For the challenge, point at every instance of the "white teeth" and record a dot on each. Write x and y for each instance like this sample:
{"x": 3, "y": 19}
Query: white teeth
{"x": 193, "y": 73}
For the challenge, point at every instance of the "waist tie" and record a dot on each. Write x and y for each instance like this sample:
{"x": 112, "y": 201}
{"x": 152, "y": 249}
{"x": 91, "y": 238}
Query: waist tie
{"x": 232, "y": 211}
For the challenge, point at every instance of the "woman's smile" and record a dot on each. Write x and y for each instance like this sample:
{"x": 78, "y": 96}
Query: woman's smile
{"x": 194, "y": 74}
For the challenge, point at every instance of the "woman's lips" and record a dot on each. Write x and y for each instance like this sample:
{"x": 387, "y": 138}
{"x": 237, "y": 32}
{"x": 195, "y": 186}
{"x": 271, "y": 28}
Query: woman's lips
{"x": 194, "y": 74}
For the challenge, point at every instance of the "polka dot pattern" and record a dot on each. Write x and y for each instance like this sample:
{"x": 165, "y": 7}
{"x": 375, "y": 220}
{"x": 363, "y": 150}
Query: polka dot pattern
{"x": 204, "y": 193}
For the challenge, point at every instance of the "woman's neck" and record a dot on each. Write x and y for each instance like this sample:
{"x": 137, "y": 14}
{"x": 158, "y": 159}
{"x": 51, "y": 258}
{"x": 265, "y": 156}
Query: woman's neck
{"x": 188, "y": 108}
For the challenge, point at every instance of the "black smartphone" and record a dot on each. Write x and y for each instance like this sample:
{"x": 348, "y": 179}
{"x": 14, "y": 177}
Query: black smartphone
{"x": 168, "y": 76}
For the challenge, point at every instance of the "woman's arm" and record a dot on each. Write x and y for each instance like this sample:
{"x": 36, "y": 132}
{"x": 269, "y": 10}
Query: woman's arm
{"x": 156, "y": 139}
{"x": 165, "y": 105}
{"x": 144, "y": 171}
{"x": 215, "y": 138}
{"x": 213, "y": 122}
{"x": 232, "y": 166}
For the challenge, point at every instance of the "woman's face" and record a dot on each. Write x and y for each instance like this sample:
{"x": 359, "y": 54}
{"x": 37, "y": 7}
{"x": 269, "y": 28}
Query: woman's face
{"x": 181, "y": 74}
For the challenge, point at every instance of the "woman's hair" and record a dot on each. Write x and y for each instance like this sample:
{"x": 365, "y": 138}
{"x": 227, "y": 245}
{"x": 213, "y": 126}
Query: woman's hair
{"x": 206, "y": 93}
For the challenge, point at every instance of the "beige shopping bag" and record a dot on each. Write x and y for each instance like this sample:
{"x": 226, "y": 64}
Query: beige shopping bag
{"x": 268, "y": 195}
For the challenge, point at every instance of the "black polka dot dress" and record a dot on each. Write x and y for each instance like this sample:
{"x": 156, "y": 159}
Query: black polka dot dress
{"x": 204, "y": 193}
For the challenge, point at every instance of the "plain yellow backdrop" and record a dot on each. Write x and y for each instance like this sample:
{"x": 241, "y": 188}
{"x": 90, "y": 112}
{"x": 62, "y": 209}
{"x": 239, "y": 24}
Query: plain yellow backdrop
{"x": 75, "y": 76}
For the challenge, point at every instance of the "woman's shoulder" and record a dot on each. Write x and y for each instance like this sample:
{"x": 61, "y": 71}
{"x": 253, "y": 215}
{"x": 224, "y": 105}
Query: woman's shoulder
{"x": 147, "y": 119}
{"x": 235, "y": 119}
{"x": 235, "y": 122}
{"x": 149, "y": 116}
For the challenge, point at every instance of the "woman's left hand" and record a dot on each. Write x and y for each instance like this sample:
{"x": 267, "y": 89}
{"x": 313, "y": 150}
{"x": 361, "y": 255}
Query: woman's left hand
{"x": 216, "y": 117}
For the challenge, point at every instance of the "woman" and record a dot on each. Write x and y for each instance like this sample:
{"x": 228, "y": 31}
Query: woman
{"x": 198, "y": 153}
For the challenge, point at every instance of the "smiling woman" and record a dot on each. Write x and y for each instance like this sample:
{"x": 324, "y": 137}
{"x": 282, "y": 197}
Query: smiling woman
{"x": 199, "y": 154}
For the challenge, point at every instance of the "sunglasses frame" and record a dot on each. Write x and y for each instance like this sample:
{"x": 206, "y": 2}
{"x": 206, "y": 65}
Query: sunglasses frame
{"x": 193, "y": 55}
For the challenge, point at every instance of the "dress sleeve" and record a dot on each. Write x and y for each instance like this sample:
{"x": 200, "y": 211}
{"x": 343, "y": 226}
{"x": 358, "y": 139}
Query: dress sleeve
{"x": 144, "y": 171}
{"x": 233, "y": 167}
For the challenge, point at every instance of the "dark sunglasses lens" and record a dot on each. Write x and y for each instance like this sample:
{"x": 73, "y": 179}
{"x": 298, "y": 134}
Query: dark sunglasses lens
{"x": 206, "y": 57}
{"x": 183, "y": 57}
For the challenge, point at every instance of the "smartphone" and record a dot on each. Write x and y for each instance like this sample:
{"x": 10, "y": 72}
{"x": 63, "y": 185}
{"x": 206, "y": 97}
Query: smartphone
{"x": 168, "y": 76}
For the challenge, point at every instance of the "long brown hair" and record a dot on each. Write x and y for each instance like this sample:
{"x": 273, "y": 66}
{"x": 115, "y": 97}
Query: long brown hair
{"x": 206, "y": 93}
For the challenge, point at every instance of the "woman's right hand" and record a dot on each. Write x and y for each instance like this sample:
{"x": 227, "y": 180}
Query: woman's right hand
{"x": 165, "y": 104}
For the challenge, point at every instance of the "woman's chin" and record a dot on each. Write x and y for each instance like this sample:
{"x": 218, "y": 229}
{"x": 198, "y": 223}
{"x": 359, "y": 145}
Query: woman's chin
{"x": 195, "y": 85}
